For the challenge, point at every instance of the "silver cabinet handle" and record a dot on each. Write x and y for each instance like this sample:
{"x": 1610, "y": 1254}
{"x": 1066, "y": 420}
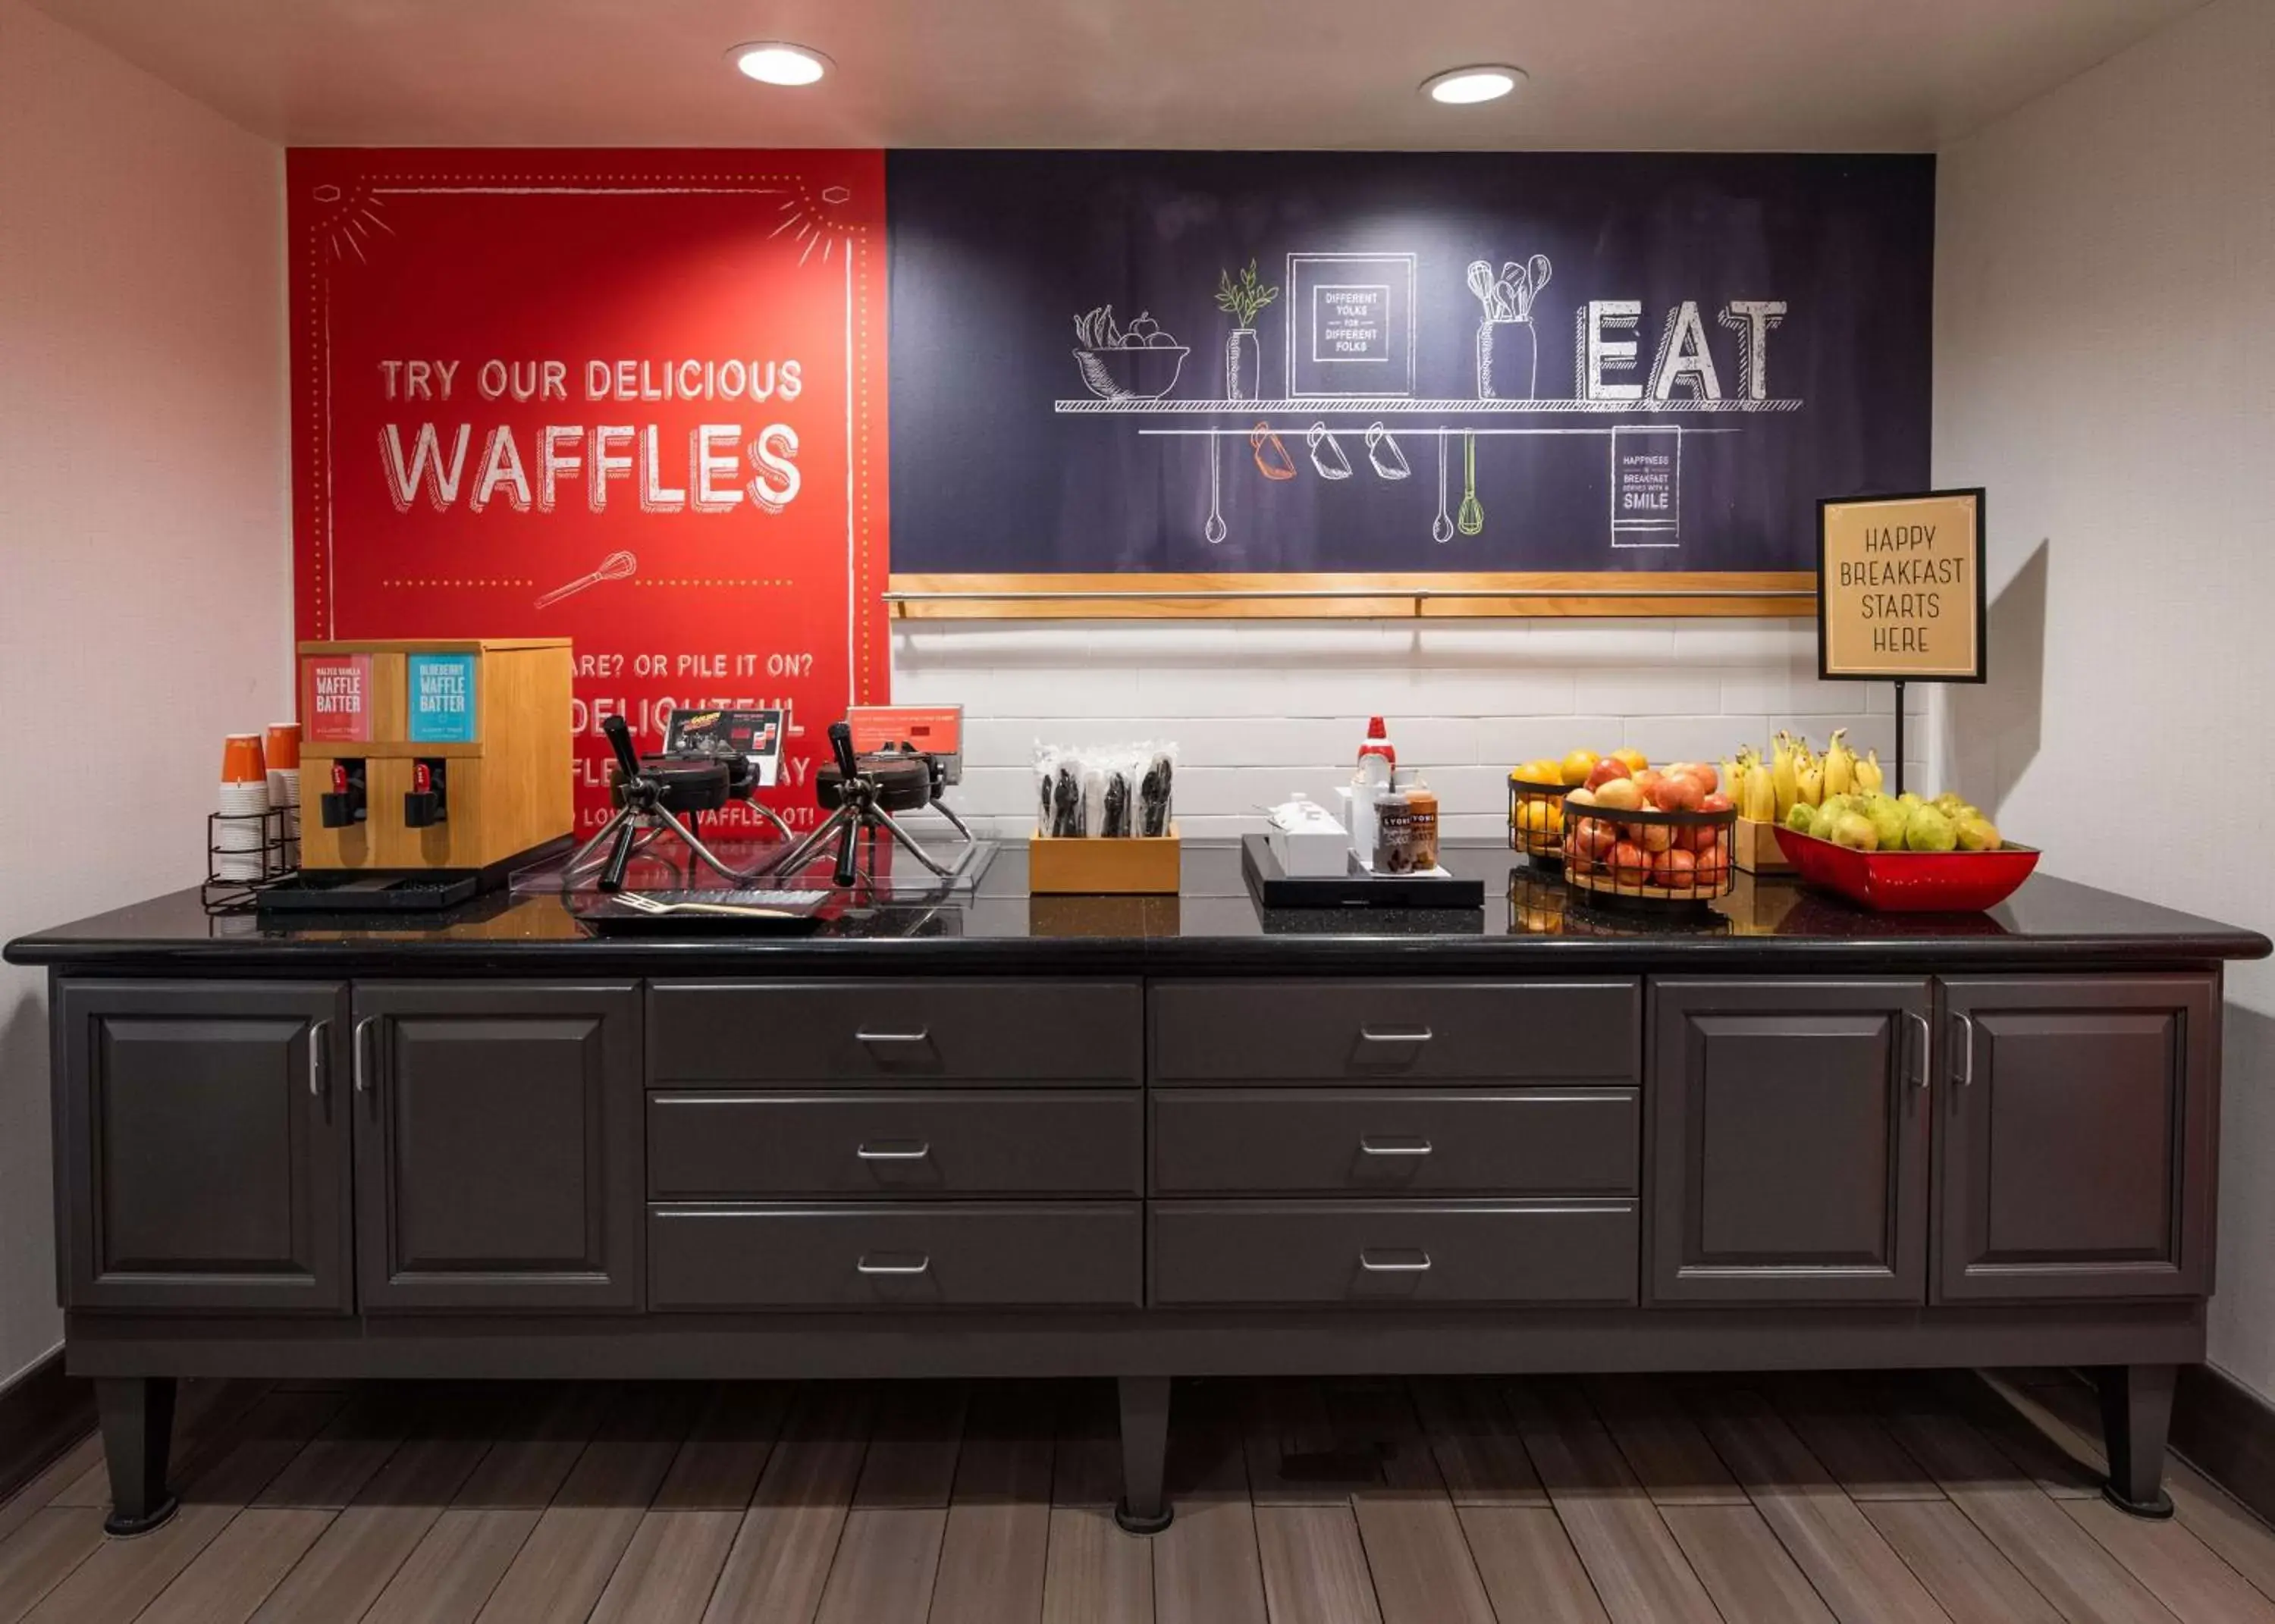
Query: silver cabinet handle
{"x": 915, "y": 1154}
{"x": 316, "y": 1040}
{"x": 920, "y": 1035}
{"x": 1966, "y": 1046}
{"x": 1926, "y": 1048}
{"x": 1369, "y": 1146}
{"x": 1366, "y": 1261}
{"x": 356, "y": 1052}
{"x": 922, "y": 1266}
{"x": 1420, "y": 1034}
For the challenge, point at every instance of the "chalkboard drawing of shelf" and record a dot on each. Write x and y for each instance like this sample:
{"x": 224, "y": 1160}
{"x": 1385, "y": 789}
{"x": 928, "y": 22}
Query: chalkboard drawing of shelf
{"x": 1243, "y": 298}
{"x": 1350, "y": 325}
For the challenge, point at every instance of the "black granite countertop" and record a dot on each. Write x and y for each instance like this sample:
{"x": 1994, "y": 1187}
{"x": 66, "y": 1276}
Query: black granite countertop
{"x": 1531, "y": 924}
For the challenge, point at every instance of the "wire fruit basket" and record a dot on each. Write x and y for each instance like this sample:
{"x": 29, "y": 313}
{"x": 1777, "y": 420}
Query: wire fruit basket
{"x": 1649, "y": 859}
{"x": 1536, "y": 820}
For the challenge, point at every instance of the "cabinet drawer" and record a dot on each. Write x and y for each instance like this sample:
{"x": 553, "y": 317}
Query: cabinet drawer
{"x": 1233, "y": 1141}
{"x": 899, "y": 1255}
{"x": 893, "y": 1032}
{"x": 921, "y": 1142}
{"x": 1256, "y": 1032}
{"x": 1394, "y": 1251}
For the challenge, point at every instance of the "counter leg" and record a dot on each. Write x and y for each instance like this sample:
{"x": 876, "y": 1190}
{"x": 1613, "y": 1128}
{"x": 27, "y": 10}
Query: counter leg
{"x": 2137, "y": 1413}
{"x": 137, "y": 1417}
{"x": 1145, "y": 1454}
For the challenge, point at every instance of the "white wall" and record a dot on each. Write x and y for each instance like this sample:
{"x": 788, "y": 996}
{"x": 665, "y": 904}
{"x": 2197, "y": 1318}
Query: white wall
{"x": 2105, "y": 365}
{"x": 145, "y": 604}
{"x": 1260, "y": 708}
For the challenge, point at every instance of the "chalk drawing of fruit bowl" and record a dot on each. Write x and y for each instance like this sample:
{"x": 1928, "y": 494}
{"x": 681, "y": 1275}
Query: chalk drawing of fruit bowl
{"x": 1138, "y": 362}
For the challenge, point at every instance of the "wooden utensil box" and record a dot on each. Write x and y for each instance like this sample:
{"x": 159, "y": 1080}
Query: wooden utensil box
{"x": 1138, "y": 866}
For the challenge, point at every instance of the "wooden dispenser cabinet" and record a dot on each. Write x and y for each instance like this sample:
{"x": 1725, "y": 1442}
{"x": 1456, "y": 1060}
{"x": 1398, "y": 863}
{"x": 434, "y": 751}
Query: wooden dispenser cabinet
{"x": 427, "y": 754}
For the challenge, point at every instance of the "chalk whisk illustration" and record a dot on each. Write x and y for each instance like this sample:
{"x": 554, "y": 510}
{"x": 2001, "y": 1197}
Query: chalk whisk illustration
{"x": 1138, "y": 362}
{"x": 614, "y": 567}
{"x": 1241, "y": 299}
{"x": 1472, "y": 518}
{"x": 1508, "y": 355}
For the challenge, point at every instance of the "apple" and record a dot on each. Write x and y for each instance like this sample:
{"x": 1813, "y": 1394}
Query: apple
{"x": 1620, "y": 795}
{"x": 1582, "y": 797}
{"x": 1630, "y": 864}
{"x": 1593, "y": 837}
{"x": 1657, "y": 836}
{"x": 1675, "y": 869}
{"x": 1606, "y": 770}
{"x": 1709, "y": 777}
{"x": 1645, "y": 779}
{"x": 1713, "y": 867}
{"x": 1677, "y": 792}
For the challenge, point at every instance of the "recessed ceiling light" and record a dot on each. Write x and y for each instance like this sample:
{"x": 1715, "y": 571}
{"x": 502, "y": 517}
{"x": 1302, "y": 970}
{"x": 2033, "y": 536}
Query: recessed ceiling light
{"x": 1488, "y": 82}
{"x": 777, "y": 61}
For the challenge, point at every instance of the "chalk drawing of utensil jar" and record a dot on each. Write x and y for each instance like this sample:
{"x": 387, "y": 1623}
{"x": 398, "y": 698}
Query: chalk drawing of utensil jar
{"x": 1508, "y": 349}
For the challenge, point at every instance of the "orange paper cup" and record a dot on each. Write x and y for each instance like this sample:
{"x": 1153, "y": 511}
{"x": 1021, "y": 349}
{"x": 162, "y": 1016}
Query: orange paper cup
{"x": 283, "y": 746}
{"x": 241, "y": 761}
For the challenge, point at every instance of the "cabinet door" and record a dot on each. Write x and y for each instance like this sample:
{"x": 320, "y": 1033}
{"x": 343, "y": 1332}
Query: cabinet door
{"x": 1789, "y": 1141}
{"x": 498, "y": 1146}
{"x": 201, "y": 1146}
{"x": 2077, "y": 1151}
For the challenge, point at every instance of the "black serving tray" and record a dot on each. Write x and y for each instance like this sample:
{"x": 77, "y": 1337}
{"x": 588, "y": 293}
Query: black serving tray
{"x": 351, "y": 893}
{"x": 1269, "y": 884}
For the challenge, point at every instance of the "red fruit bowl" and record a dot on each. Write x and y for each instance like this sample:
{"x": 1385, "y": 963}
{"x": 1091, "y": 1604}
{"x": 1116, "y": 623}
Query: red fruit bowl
{"x": 1910, "y": 882}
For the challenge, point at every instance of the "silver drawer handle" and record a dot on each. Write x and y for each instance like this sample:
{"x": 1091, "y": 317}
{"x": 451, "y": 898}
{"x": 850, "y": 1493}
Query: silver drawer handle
{"x": 1369, "y": 1147}
{"x": 1966, "y": 1047}
{"x": 1922, "y": 1061}
{"x": 915, "y": 1154}
{"x": 317, "y": 1038}
{"x": 920, "y": 1035}
{"x": 1420, "y": 1034}
{"x": 1367, "y": 1262}
{"x": 355, "y": 1053}
{"x": 922, "y": 1266}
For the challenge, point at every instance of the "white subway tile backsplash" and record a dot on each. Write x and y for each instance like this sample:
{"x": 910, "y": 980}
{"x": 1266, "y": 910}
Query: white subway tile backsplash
{"x": 1262, "y": 709}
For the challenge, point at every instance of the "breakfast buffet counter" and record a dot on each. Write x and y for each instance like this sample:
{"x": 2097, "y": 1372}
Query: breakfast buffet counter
{"x": 1137, "y": 1137}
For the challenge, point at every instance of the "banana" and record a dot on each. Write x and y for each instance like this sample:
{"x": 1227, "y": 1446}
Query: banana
{"x": 1783, "y": 768}
{"x": 1869, "y": 775}
{"x": 1761, "y": 794}
{"x": 1809, "y": 785}
{"x": 1839, "y": 764}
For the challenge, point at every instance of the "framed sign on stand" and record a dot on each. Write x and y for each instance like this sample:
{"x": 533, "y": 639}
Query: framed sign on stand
{"x": 1901, "y": 596}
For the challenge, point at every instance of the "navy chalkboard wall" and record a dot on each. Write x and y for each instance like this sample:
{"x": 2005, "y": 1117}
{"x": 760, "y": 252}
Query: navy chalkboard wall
{"x": 1607, "y": 362}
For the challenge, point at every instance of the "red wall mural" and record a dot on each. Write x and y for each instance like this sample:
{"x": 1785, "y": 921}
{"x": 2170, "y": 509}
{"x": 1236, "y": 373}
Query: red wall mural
{"x": 636, "y": 398}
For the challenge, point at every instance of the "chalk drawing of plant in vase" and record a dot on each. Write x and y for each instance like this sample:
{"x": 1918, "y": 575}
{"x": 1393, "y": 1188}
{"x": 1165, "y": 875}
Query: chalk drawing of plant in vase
{"x": 1508, "y": 355}
{"x": 1242, "y": 300}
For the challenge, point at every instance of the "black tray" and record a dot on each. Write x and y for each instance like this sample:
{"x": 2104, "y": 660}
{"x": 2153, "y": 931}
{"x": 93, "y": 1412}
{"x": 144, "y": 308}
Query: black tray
{"x": 347, "y": 892}
{"x": 609, "y": 914}
{"x": 1269, "y": 884}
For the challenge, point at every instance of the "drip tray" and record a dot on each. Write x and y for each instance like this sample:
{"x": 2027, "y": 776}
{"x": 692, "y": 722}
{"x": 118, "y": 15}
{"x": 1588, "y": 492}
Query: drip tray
{"x": 306, "y": 893}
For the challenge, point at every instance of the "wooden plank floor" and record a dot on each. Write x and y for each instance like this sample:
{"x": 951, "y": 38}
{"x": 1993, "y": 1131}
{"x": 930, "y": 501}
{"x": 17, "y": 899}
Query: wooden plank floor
{"x": 1635, "y": 1500}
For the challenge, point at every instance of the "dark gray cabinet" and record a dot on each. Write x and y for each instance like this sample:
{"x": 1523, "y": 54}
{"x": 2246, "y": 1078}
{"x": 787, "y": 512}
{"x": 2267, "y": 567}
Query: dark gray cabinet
{"x": 1789, "y": 1132}
{"x": 498, "y": 1146}
{"x": 201, "y": 1143}
{"x": 2077, "y": 1138}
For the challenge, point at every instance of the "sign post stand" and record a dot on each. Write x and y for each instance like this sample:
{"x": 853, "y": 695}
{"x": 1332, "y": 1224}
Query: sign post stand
{"x": 1900, "y": 592}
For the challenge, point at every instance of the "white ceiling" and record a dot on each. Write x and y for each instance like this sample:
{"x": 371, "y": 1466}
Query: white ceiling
{"x": 1821, "y": 75}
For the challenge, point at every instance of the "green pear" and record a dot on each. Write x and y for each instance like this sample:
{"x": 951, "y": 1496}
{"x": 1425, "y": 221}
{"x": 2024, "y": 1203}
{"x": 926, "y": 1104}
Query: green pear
{"x": 1948, "y": 803}
{"x": 1855, "y": 830}
{"x": 1909, "y": 799}
{"x": 1978, "y": 834}
{"x": 1929, "y": 830}
{"x": 1802, "y": 819}
{"x": 1889, "y": 817}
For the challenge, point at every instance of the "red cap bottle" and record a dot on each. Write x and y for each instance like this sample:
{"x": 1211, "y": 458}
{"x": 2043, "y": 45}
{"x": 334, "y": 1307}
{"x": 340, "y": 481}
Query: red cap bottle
{"x": 1377, "y": 743}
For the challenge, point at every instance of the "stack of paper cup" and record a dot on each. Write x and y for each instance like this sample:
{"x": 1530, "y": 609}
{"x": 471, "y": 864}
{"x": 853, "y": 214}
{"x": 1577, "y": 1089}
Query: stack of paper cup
{"x": 282, "y": 750}
{"x": 239, "y": 835}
